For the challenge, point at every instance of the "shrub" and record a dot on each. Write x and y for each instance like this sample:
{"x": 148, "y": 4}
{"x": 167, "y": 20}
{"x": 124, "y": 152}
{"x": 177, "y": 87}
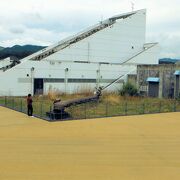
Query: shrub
{"x": 128, "y": 89}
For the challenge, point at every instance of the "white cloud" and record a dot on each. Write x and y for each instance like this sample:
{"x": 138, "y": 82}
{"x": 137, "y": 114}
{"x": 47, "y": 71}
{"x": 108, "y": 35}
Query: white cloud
{"x": 47, "y": 21}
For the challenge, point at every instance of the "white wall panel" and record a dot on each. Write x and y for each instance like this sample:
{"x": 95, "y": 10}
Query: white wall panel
{"x": 112, "y": 45}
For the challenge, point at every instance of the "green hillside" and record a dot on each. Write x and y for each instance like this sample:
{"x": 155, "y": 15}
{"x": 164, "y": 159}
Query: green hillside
{"x": 19, "y": 51}
{"x": 1, "y": 48}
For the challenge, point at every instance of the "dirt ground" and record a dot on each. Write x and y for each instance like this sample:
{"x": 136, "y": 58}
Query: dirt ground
{"x": 145, "y": 147}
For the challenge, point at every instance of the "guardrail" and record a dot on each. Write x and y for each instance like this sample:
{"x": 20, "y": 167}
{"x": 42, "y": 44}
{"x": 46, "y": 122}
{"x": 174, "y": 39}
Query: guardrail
{"x": 94, "y": 109}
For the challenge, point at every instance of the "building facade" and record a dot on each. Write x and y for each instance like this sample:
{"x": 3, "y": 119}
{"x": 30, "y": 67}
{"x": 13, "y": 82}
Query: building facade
{"x": 95, "y": 57}
{"x": 159, "y": 80}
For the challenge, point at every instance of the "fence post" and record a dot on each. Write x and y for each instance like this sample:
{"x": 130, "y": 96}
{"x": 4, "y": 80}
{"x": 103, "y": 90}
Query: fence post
{"x": 4, "y": 100}
{"x": 126, "y": 108}
{"x": 160, "y": 106}
{"x": 61, "y": 113}
{"x": 85, "y": 110}
{"x": 41, "y": 109}
{"x": 174, "y": 108}
{"x": 13, "y": 103}
{"x": 107, "y": 109}
{"x": 143, "y": 108}
{"x": 94, "y": 111}
{"x": 70, "y": 112}
{"x": 21, "y": 109}
{"x": 50, "y": 113}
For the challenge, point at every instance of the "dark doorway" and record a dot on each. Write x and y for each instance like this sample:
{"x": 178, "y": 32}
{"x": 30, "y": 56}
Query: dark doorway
{"x": 38, "y": 86}
{"x": 153, "y": 90}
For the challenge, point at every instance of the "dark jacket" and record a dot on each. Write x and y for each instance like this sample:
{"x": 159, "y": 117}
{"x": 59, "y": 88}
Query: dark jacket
{"x": 29, "y": 101}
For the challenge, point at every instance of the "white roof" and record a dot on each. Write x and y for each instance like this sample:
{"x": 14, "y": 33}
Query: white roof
{"x": 81, "y": 35}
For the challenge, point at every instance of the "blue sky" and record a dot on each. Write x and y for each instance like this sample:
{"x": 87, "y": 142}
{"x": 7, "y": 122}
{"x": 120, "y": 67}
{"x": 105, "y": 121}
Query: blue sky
{"x": 44, "y": 22}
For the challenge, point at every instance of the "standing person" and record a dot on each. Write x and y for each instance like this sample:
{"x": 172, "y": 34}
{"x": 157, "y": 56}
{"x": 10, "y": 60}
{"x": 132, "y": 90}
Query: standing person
{"x": 29, "y": 105}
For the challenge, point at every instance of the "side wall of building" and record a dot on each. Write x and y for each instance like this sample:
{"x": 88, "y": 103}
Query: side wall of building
{"x": 92, "y": 62}
{"x": 166, "y": 76}
{"x": 63, "y": 76}
{"x": 113, "y": 44}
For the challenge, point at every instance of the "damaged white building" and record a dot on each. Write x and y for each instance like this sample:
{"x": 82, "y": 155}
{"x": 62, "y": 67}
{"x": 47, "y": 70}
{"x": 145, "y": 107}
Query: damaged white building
{"x": 95, "y": 57}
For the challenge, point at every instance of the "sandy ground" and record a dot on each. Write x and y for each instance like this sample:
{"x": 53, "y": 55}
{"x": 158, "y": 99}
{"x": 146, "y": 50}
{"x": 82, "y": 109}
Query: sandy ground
{"x": 145, "y": 147}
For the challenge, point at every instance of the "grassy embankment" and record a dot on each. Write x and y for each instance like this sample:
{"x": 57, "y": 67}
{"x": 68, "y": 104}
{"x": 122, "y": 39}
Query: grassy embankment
{"x": 108, "y": 105}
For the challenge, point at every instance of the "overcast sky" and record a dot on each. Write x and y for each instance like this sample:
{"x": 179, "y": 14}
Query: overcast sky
{"x": 44, "y": 22}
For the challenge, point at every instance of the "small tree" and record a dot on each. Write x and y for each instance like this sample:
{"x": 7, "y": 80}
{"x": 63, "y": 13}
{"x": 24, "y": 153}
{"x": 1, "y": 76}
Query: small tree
{"x": 128, "y": 89}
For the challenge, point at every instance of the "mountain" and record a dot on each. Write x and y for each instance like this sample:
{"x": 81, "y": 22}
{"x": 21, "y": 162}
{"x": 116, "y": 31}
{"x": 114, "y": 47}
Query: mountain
{"x": 168, "y": 61}
{"x": 19, "y": 51}
{"x": 1, "y": 48}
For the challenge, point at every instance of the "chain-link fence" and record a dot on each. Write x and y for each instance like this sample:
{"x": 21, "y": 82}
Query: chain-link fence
{"x": 40, "y": 108}
{"x": 96, "y": 110}
{"x": 99, "y": 109}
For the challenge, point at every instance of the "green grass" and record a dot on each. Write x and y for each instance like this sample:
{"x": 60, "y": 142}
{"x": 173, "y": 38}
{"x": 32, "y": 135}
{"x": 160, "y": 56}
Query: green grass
{"x": 109, "y": 105}
{"x": 128, "y": 106}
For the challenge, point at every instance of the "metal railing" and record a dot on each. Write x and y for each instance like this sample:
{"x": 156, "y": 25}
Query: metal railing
{"x": 99, "y": 109}
{"x": 19, "y": 104}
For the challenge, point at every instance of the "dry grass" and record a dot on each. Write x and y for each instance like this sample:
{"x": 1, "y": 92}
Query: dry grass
{"x": 84, "y": 90}
{"x": 114, "y": 98}
{"x": 111, "y": 98}
{"x": 55, "y": 94}
{"x": 110, "y": 104}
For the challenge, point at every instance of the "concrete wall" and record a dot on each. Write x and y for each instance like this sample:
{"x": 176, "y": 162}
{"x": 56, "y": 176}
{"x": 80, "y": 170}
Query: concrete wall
{"x": 164, "y": 72}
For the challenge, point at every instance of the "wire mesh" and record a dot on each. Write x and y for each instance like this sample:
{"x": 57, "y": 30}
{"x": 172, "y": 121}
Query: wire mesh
{"x": 97, "y": 109}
